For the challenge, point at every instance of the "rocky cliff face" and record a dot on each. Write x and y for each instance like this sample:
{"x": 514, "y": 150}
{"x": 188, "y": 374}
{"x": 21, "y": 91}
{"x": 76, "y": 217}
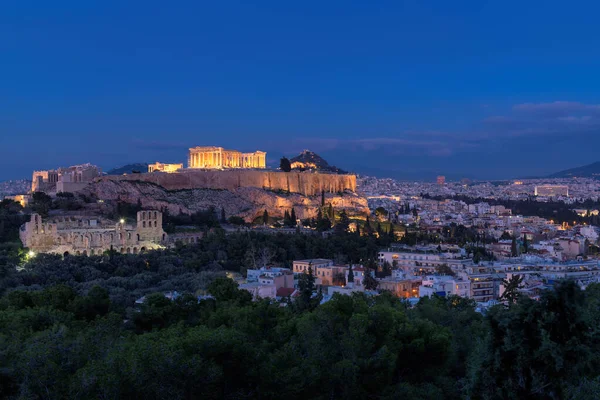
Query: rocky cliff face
{"x": 246, "y": 202}
{"x": 305, "y": 183}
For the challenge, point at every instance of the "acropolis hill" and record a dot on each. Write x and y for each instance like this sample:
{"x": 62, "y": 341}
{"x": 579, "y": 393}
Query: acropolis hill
{"x": 237, "y": 182}
{"x": 305, "y": 183}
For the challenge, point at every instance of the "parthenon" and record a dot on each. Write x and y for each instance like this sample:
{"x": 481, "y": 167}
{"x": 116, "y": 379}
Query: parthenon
{"x": 220, "y": 158}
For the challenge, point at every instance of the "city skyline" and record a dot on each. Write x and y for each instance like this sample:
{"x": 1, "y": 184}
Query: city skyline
{"x": 404, "y": 90}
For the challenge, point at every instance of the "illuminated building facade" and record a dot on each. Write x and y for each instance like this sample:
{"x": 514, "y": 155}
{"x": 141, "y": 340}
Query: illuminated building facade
{"x": 552, "y": 190}
{"x": 220, "y": 158}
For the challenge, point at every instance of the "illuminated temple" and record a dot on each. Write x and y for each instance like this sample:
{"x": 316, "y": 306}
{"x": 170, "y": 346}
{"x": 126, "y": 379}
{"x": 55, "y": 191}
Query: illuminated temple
{"x": 220, "y": 158}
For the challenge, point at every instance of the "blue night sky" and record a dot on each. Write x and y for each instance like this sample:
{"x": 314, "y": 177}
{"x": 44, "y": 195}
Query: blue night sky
{"x": 411, "y": 89}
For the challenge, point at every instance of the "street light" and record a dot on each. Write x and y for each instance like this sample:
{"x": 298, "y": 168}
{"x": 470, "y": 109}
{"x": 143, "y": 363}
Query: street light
{"x": 30, "y": 254}
{"x": 122, "y": 221}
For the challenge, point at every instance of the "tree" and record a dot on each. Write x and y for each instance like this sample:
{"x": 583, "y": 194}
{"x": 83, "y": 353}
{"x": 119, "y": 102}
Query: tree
{"x": 265, "y": 257}
{"x": 511, "y": 289}
{"x": 265, "y": 217}
{"x": 235, "y": 220}
{"x": 323, "y": 224}
{"x": 285, "y": 165}
{"x": 525, "y": 244}
{"x": 513, "y": 247}
{"x": 331, "y": 214}
{"x": 369, "y": 282}
{"x": 391, "y": 233}
{"x": 343, "y": 223}
{"x": 322, "y": 198}
{"x": 41, "y": 203}
{"x": 306, "y": 287}
{"x": 381, "y": 214}
{"x": 350, "y": 274}
{"x": 223, "y": 219}
{"x": 386, "y": 269}
{"x": 225, "y": 289}
{"x": 293, "y": 217}
{"x": 368, "y": 230}
{"x": 444, "y": 269}
{"x": 505, "y": 236}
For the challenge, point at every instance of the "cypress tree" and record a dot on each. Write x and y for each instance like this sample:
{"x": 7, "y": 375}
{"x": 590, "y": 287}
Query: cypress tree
{"x": 293, "y": 216}
{"x": 513, "y": 247}
{"x": 350, "y": 274}
{"x": 265, "y": 217}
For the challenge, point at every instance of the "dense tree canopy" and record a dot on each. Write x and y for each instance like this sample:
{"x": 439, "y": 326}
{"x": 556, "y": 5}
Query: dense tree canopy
{"x": 70, "y": 327}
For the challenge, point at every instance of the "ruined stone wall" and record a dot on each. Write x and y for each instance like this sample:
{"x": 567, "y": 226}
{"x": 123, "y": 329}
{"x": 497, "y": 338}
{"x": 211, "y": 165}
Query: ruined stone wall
{"x": 91, "y": 239}
{"x": 305, "y": 183}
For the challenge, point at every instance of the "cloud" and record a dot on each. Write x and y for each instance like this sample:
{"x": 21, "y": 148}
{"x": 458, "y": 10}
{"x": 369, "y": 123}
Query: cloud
{"x": 553, "y": 119}
{"x": 427, "y": 143}
{"x": 556, "y": 108}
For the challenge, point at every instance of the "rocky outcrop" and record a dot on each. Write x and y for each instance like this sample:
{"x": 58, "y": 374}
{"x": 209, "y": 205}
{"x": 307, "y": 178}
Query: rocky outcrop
{"x": 306, "y": 183}
{"x": 308, "y": 160}
{"x": 246, "y": 202}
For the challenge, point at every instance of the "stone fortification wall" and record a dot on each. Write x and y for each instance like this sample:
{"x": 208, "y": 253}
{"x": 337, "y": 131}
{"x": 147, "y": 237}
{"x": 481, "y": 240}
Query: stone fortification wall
{"x": 305, "y": 183}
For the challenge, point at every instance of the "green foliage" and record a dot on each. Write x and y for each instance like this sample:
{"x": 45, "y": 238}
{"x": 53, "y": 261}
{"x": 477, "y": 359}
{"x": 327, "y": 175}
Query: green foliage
{"x": 444, "y": 269}
{"x": 285, "y": 165}
{"x": 10, "y": 221}
{"x": 381, "y": 213}
{"x": 343, "y": 223}
{"x": 369, "y": 282}
{"x": 235, "y": 220}
{"x": 225, "y": 289}
{"x": 70, "y": 328}
{"x": 59, "y": 344}
{"x": 41, "y": 203}
{"x": 204, "y": 219}
{"x": 511, "y": 289}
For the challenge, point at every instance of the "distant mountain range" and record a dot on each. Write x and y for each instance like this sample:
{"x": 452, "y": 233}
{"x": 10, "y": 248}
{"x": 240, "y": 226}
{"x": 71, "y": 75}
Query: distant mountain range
{"x": 310, "y": 160}
{"x": 129, "y": 169}
{"x": 586, "y": 171}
